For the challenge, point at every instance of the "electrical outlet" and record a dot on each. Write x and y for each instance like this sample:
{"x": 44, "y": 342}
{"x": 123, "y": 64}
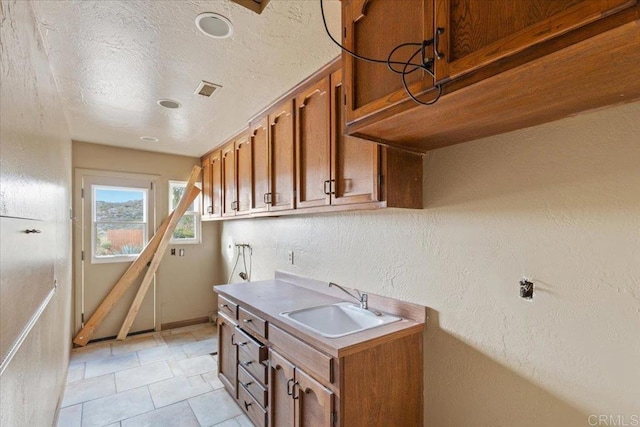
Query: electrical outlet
{"x": 290, "y": 257}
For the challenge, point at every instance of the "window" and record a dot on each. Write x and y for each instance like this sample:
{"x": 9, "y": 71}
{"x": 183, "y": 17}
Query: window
{"x": 188, "y": 228}
{"x": 120, "y": 220}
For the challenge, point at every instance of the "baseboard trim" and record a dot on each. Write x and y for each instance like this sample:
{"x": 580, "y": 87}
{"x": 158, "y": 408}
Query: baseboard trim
{"x": 183, "y": 323}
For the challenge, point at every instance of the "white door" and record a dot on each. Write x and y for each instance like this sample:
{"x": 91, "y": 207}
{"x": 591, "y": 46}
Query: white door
{"x": 118, "y": 215}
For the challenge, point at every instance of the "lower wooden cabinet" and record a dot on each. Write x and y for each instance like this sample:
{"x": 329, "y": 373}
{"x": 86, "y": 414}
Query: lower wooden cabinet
{"x": 227, "y": 354}
{"x": 279, "y": 380}
{"x": 296, "y": 398}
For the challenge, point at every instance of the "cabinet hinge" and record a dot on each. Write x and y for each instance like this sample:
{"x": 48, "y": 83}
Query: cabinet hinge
{"x": 82, "y": 255}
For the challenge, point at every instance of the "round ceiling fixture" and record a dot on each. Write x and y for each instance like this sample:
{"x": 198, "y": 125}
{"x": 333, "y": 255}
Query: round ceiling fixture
{"x": 149, "y": 139}
{"x": 169, "y": 103}
{"x": 214, "y": 25}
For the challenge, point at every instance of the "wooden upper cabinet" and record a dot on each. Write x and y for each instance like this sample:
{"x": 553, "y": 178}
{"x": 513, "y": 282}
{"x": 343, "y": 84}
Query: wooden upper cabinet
{"x": 207, "y": 204}
{"x": 282, "y": 138}
{"x": 216, "y": 185}
{"x": 373, "y": 28}
{"x": 260, "y": 166}
{"x": 356, "y": 162}
{"x": 228, "y": 164}
{"x": 273, "y": 161}
{"x": 243, "y": 173}
{"x": 313, "y": 145}
{"x": 212, "y": 186}
{"x": 476, "y": 33}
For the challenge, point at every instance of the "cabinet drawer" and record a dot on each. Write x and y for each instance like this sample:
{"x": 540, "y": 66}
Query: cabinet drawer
{"x": 227, "y": 307}
{"x": 253, "y": 323}
{"x": 313, "y": 361}
{"x": 254, "y": 366}
{"x": 253, "y": 410}
{"x": 253, "y": 386}
{"x": 247, "y": 344}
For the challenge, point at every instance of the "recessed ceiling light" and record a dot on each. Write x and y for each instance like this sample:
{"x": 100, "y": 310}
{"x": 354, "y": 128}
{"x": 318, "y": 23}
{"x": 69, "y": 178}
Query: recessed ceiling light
{"x": 149, "y": 139}
{"x": 169, "y": 103}
{"x": 214, "y": 25}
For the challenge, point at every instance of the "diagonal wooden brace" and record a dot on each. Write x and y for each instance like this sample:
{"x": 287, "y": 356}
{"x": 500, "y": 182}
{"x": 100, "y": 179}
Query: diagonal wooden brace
{"x": 190, "y": 193}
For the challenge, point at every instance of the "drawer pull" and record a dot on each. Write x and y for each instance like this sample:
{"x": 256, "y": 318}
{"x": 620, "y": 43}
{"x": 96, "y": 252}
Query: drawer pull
{"x": 240, "y": 344}
{"x": 247, "y": 384}
{"x": 247, "y": 320}
{"x": 247, "y": 363}
{"x": 33, "y": 230}
{"x": 246, "y": 405}
{"x": 224, "y": 305}
{"x": 289, "y": 391}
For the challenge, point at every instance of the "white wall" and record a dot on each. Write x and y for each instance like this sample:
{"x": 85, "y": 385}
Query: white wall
{"x": 184, "y": 283}
{"x": 558, "y": 202}
{"x": 35, "y": 175}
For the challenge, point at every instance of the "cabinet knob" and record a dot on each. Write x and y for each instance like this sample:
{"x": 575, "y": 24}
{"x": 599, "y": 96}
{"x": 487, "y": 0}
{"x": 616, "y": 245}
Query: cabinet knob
{"x": 32, "y": 231}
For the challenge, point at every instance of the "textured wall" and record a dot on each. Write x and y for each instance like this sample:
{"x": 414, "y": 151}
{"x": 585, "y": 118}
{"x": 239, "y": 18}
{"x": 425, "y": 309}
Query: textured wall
{"x": 184, "y": 283}
{"x": 35, "y": 182}
{"x": 559, "y": 203}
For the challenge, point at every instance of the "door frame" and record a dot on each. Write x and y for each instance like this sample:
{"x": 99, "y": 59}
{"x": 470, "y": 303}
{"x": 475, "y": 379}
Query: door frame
{"x": 78, "y": 239}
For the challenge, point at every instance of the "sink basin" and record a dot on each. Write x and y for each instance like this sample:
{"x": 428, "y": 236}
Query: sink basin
{"x": 338, "y": 320}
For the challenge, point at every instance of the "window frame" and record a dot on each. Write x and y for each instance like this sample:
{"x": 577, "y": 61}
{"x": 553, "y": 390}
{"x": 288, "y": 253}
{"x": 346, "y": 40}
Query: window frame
{"x": 105, "y": 259}
{"x": 194, "y": 213}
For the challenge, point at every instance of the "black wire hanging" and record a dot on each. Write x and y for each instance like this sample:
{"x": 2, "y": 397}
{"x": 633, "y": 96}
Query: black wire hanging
{"x": 406, "y": 68}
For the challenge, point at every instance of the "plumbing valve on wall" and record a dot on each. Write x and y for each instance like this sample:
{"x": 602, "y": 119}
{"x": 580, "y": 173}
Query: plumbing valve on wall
{"x": 526, "y": 289}
{"x": 242, "y": 249}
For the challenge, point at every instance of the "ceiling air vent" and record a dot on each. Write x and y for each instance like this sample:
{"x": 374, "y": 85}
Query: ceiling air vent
{"x": 255, "y": 5}
{"x": 206, "y": 89}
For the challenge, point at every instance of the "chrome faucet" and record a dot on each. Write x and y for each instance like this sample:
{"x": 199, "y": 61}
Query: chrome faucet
{"x": 362, "y": 298}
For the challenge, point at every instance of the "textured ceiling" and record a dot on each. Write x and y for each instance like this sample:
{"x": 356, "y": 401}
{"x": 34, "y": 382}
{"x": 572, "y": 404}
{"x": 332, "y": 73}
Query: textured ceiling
{"x": 112, "y": 60}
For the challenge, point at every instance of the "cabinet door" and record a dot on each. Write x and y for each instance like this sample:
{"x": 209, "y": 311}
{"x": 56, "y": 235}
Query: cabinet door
{"x": 314, "y": 402}
{"x": 313, "y": 145}
{"x": 243, "y": 174}
{"x": 281, "y": 135}
{"x": 281, "y": 380}
{"x": 260, "y": 166}
{"x": 207, "y": 204}
{"x": 228, "y": 157}
{"x": 227, "y": 355}
{"x": 216, "y": 185}
{"x": 479, "y": 32}
{"x": 355, "y": 165}
{"x": 373, "y": 28}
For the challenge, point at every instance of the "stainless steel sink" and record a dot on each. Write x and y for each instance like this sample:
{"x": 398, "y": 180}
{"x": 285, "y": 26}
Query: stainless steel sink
{"x": 338, "y": 320}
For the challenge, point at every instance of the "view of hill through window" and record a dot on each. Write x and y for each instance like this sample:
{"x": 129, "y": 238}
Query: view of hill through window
{"x": 120, "y": 221}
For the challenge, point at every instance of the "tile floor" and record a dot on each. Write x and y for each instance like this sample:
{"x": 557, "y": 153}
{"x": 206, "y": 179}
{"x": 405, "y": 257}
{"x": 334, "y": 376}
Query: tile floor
{"x": 158, "y": 379}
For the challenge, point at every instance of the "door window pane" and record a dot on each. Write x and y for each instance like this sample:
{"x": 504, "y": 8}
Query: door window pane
{"x": 120, "y": 221}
